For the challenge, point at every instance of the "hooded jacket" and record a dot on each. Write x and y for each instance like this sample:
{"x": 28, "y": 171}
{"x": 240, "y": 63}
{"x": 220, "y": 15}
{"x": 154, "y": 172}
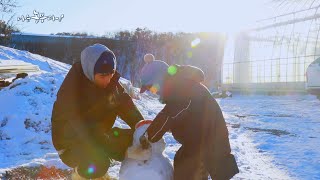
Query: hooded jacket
{"x": 83, "y": 112}
{"x": 195, "y": 120}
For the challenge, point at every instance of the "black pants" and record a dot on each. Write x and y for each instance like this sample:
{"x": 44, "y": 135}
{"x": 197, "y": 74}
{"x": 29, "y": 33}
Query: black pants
{"x": 189, "y": 165}
{"x": 93, "y": 161}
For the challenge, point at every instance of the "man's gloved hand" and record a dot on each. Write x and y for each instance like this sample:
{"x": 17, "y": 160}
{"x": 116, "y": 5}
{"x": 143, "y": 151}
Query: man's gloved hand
{"x": 145, "y": 144}
{"x": 117, "y": 141}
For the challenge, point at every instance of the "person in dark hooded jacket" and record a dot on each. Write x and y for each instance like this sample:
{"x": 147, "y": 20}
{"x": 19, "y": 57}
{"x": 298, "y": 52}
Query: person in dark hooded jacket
{"x": 194, "y": 118}
{"x": 88, "y": 102}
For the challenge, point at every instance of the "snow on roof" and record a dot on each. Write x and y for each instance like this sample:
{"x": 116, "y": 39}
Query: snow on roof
{"x": 17, "y": 66}
{"x": 52, "y": 35}
{"x": 13, "y": 62}
{"x": 13, "y": 57}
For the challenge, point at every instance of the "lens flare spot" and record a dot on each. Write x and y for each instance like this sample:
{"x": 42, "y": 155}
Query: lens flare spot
{"x": 91, "y": 169}
{"x": 116, "y": 133}
{"x": 195, "y": 43}
{"x": 189, "y": 54}
{"x": 172, "y": 70}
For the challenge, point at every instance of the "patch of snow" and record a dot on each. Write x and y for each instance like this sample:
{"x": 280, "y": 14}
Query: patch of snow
{"x": 286, "y": 129}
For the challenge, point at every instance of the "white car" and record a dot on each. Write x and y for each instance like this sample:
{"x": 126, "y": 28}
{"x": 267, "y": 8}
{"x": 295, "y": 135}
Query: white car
{"x": 313, "y": 78}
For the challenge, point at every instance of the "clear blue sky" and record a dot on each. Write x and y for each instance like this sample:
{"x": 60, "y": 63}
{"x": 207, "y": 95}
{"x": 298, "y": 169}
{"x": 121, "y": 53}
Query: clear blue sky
{"x": 101, "y": 16}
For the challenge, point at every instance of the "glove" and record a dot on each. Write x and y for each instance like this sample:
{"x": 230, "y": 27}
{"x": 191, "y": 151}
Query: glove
{"x": 145, "y": 144}
{"x": 117, "y": 142}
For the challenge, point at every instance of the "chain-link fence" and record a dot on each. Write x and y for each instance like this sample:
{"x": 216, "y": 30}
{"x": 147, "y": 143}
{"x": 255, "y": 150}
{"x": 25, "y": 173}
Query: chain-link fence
{"x": 278, "y": 49}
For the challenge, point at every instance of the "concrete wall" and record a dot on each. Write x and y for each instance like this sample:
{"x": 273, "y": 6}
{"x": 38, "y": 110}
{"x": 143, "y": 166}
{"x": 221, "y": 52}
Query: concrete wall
{"x": 241, "y": 58}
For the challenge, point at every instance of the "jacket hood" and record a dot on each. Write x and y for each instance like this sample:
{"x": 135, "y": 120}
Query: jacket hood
{"x": 190, "y": 72}
{"x": 178, "y": 80}
{"x": 89, "y": 57}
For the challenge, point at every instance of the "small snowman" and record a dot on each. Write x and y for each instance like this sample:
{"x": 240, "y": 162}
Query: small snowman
{"x": 145, "y": 163}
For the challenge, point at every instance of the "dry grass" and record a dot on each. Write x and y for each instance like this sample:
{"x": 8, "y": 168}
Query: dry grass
{"x": 38, "y": 172}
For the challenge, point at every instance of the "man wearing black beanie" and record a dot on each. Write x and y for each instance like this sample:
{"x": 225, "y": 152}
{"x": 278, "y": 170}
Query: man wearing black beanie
{"x": 88, "y": 103}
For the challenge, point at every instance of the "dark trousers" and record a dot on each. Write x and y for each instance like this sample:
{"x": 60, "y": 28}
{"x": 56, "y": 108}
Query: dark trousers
{"x": 193, "y": 164}
{"x": 189, "y": 165}
{"x": 93, "y": 160}
{"x": 222, "y": 167}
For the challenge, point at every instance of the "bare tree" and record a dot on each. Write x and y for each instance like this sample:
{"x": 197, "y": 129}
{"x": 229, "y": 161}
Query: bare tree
{"x": 7, "y": 21}
{"x": 7, "y": 6}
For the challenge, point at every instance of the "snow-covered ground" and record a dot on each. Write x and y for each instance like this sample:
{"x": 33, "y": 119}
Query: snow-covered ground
{"x": 283, "y": 130}
{"x": 272, "y": 137}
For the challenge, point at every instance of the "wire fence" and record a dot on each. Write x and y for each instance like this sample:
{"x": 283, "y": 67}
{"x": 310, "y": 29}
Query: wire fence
{"x": 266, "y": 71}
{"x": 278, "y": 49}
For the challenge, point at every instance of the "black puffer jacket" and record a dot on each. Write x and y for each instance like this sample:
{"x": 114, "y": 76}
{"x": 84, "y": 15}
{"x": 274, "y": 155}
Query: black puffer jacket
{"x": 195, "y": 120}
{"x": 83, "y": 112}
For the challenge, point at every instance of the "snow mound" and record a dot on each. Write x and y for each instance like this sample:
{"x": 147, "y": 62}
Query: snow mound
{"x": 26, "y": 105}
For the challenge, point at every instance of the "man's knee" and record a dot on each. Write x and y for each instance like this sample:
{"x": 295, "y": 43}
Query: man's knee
{"x": 68, "y": 158}
{"x": 94, "y": 168}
